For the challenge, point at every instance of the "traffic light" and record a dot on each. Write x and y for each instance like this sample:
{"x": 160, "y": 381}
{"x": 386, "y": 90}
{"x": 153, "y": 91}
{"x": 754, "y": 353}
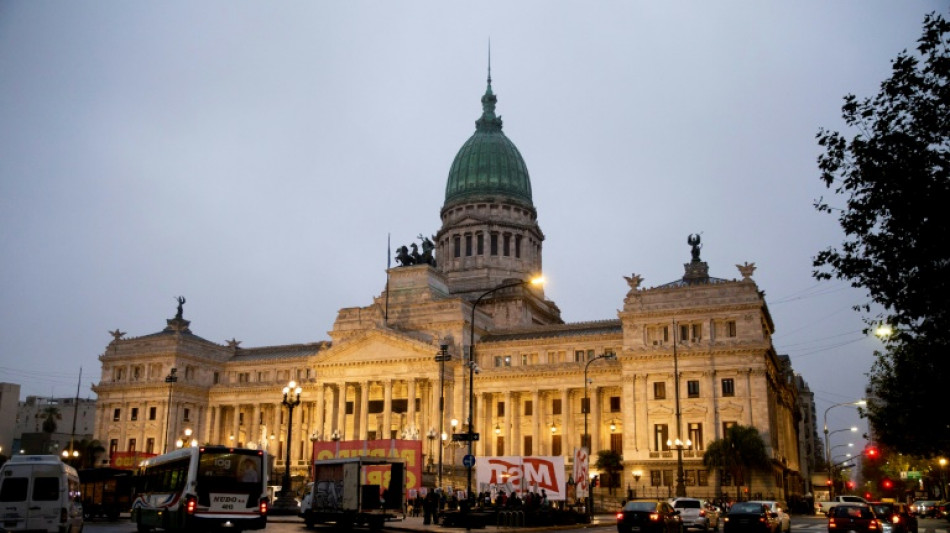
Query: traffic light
{"x": 867, "y": 496}
{"x": 887, "y": 484}
{"x": 871, "y": 452}
{"x": 850, "y": 484}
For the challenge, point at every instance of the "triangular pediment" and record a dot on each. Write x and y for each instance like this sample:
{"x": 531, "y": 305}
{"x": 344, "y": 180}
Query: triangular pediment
{"x": 660, "y": 410}
{"x": 377, "y": 346}
{"x": 730, "y": 407}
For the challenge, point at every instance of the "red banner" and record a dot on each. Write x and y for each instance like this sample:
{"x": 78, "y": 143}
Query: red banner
{"x": 128, "y": 460}
{"x": 409, "y": 451}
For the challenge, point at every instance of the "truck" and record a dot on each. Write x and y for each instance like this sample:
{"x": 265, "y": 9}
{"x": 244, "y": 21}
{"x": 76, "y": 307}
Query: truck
{"x": 355, "y": 492}
{"x": 826, "y": 507}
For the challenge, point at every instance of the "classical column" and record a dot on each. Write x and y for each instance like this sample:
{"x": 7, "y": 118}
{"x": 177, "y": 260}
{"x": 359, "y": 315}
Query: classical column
{"x": 363, "y": 415}
{"x": 537, "y": 414}
{"x": 509, "y": 430}
{"x": 235, "y": 426}
{"x": 411, "y": 405}
{"x": 640, "y": 389}
{"x": 387, "y": 409}
{"x": 628, "y": 412}
{"x": 319, "y": 418}
{"x": 341, "y": 410}
{"x": 254, "y": 427}
{"x": 567, "y": 433}
{"x": 595, "y": 427}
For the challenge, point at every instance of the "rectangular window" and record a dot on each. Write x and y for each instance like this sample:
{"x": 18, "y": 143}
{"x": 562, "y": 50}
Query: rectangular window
{"x": 728, "y": 387}
{"x": 528, "y": 442}
{"x": 616, "y": 442}
{"x": 660, "y": 435}
{"x": 656, "y": 478}
{"x": 507, "y": 360}
{"x": 152, "y": 413}
{"x": 528, "y": 409}
{"x": 615, "y": 404}
{"x": 501, "y": 409}
{"x": 186, "y": 414}
{"x": 150, "y": 445}
{"x": 726, "y": 426}
{"x": 131, "y": 445}
{"x": 113, "y": 447}
{"x": 556, "y": 406}
{"x": 349, "y": 409}
{"x": 517, "y": 245}
{"x": 524, "y": 359}
{"x": 500, "y": 445}
{"x": 480, "y": 244}
{"x": 578, "y": 356}
{"x": 216, "y": 378}
{"x": 116, "y": 415}
{"x": 684, "y": 332}
{"x": 556, "y": 445}
{"x": 135, "y": 414}
{"x": 692, "y": 388}
{"x": 468, "y": 245}
{"x": 689, "y": 478}
{"x": 696, "y": 435}
{"x": 507, "y": 245}
{"x": 730, "y": 328}
{"x": 494, "y": 243}
{"x": 499, "y": 361}
{"x": 697, "y": 332}
{"x": 659, "y": 390}
{"x": 702, "y": 478}
{"x": 590, "y": 354}
{"x": 457, "y": 246}
{"x": 241, "y": 419}
{"x": 667, "y": 478}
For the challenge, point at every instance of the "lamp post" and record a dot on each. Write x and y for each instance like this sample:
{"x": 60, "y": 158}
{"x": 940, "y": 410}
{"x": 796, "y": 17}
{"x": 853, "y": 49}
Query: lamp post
{"x": 473, "y": 367}
{"x": 637, "y": 474}
{"x": 441, "y": 359}
{"x": 286, "y": 502}
{"x": 171, "y": 379}
{"x": 831, "y": 488}
{"x": 679, "y": 446}
{"x": 586, "y": 437}
{"x": 943, "y": 476}
{"x": 186, "y": 439}
{"x": 431, "y": 435}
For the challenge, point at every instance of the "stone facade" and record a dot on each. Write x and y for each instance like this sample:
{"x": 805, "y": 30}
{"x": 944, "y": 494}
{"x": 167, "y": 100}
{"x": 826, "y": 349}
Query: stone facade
{"x": 692, "y": 357}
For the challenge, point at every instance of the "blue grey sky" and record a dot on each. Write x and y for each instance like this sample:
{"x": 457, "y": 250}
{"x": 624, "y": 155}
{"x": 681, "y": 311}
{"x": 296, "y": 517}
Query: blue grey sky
{"x": 254, "y": 156}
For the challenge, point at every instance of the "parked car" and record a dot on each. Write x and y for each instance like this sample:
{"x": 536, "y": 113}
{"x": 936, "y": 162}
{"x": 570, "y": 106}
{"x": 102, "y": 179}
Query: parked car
{"x": 694, "y": 514}
{"x": 943, "y": 510}
{"x": 749, "y": 517}
{"x": 925, "y": 508}
{"x": 895, "y": 517}
{"x": 857, "y": 518}
{"x": 648, "y": 516}
{"x": 779, "y": 508}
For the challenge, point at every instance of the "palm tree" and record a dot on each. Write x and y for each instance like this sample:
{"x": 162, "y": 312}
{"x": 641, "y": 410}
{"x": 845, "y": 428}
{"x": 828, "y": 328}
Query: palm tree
{"x": 740, "y": 451}
{"x": 611, "y": 462}
{"x": 50, "y": 415}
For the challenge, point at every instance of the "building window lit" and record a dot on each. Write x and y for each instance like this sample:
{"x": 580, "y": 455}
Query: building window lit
{"x": 728, "y": 387}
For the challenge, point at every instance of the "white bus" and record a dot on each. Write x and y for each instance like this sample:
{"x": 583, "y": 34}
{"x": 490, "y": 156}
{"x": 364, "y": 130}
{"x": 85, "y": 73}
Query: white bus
{"x": 202, "y": 488}
{"x": 39, "y": 493}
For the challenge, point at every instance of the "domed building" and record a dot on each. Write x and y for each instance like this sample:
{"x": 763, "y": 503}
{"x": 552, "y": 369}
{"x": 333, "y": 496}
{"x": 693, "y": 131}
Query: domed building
{"x": 460, "y": 342}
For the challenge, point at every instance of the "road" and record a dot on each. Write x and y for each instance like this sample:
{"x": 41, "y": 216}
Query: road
{"x": 802, "y": 524}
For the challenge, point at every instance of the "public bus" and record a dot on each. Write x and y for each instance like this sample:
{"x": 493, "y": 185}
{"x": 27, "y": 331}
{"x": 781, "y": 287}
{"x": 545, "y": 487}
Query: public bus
{"x": 202, "y": 488}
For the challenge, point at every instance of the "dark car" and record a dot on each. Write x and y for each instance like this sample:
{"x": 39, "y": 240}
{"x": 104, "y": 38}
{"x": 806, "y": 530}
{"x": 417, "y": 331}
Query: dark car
{"x": 858, "y": 518}
{"x": 894, "y": 517}
{"x": 648, "y": 516}
{"x": 750, "y": 517}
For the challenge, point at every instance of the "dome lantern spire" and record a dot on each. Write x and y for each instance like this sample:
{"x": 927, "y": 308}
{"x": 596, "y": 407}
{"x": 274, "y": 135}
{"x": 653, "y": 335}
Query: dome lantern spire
{"x": 488, "y": 121}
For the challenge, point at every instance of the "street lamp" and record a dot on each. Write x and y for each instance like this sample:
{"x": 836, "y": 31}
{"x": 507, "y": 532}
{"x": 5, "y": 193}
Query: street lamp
{"x": 637, "y": 474}
{"x": 186, "y": 439}
{"x": 291, "y": 399}
{"x": 431, "y": 435}
{"x": 679, "y": 446}
{"x": 586, "y": 409}
{"x": 828, "y": 434}
{"x": 473, "y": 367}
{"x": 171, "y": 379}
{"x": 441, "y": 359}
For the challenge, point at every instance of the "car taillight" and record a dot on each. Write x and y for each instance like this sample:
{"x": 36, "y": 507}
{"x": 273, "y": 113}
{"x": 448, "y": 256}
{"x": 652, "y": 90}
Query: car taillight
{"x": 702, "y": 512}
{"x": 620, "y": 515}
{"x": 831, "y": 523}
{"x": 873, "y": 524}
{"x": 263, "y": 506}
{"x": 191, "y": 504}
{"x": 896, "y": 519}
{"x": 654, "y": 517}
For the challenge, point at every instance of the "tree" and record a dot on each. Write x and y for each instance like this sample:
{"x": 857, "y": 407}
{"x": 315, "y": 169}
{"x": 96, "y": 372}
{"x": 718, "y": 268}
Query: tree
{"x": 50, "y": 415}
{"x": 610, "y": 462}
{"x": 740, "y": 451}
{"x": 894, "y": 178}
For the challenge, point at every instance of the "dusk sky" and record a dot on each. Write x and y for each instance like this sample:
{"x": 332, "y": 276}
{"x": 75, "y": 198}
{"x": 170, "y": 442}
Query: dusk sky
{"x": 254, "y": 156}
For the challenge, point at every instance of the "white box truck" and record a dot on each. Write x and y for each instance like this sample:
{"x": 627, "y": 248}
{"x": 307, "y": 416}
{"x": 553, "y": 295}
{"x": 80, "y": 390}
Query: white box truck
{"x": 356, "y": 491}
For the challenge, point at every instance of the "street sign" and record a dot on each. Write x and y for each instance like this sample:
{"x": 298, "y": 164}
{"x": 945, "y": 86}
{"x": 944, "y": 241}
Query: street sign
{"x": 468, "y": 461}
{"x": 913, "y": 474}
{"x": 464, "y": 437}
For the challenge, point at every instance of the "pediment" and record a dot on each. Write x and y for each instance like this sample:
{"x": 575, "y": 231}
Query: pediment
{"x": 729, "y": 407}
{"x": 660, "y": 410}
{"x": 694, "y": 409}
{"x": 377, "y": 347}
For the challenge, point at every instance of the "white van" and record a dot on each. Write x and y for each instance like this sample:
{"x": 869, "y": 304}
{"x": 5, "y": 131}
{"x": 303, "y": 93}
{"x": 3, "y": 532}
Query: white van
{"x": 39, "y": 493}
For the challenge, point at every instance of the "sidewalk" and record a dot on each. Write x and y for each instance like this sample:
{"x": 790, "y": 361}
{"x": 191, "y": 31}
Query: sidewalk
{"x": 414, "y": 523}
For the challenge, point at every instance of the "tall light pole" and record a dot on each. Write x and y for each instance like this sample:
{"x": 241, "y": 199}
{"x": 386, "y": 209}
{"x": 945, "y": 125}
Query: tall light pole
{"x": 285, "y": 501}
{"x": 680, "y": 482}
{"x": 472, "y": 367}
{"x": 441, "y": 359}
{"x": 831, "y": 488}
{"x": 171, "y": 379}
{"x": 587, "y": 439}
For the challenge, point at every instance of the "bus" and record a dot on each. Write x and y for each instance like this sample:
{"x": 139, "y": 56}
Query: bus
{"x": 202, "y": 488}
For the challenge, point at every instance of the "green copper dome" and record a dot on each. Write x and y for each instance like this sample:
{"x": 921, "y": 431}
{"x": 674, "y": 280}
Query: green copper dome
{"x": 488, "y": 164}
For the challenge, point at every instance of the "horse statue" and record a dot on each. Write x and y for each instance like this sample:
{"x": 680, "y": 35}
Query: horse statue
{"x": 403, "y": 257}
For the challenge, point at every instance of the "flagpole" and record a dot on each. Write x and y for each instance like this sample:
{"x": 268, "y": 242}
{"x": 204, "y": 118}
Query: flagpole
{"x": 389, "y": 255}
